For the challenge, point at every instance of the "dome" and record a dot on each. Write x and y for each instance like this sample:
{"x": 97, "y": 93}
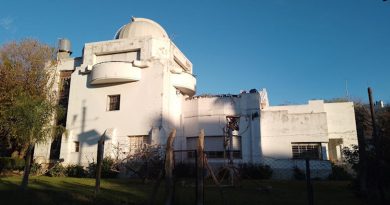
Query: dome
{"x": 140, "y": 27}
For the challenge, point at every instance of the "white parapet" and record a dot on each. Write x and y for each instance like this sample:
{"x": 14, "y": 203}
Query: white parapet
{"x": 114, "y": 72}
{"x": 185, "y": 82}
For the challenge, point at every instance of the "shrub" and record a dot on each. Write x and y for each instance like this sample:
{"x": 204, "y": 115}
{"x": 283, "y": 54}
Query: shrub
{"x": 75, "y": 171}
{"x": 339, "y": 173}
{"x": 56, "y": 171}
{"x": 9, "y": 163}
{"x": 36, "y": 168}
{"x": 147, "y": 163}
{"x": 255, "y": 171}
{"x": 107, "y": 171}
{"x": 299, "y": 174}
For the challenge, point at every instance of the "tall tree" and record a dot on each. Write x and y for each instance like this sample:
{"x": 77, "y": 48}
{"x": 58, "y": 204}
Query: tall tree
{"x": 27, "y": 97}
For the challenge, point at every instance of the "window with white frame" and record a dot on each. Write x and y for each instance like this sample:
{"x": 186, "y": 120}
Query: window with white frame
{"x": 306, "y": 150}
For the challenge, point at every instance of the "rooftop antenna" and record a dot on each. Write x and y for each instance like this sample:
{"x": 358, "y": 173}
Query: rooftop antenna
{"x": 346, "y": 89}
{"x": 172, "y": 36}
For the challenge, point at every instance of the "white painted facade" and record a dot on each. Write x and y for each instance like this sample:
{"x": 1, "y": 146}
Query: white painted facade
{"x": 156, "y": 85}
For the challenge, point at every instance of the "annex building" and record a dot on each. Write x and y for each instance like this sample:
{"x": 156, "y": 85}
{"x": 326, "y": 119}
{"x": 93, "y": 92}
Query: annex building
{"x": 136, "y": 88}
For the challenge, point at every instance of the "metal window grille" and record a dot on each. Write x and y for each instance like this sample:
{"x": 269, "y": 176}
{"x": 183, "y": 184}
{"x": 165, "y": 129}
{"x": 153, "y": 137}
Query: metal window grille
{"x": 306, "y": 150}
{"x": 214, "y": 147}
{"x": 114, "y": 102}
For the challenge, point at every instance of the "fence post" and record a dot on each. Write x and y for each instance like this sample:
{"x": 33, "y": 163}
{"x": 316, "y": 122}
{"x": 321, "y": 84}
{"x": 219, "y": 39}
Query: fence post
{"x": 200, "y": 153}
{"x": 98, "y": 172}
{"x": 308, "y": 183}
{"x": 196, "y": 176}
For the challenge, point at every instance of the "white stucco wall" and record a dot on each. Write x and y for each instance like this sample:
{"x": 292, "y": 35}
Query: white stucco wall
{"x": 150, "y": 106}
{"x": 341, "y": 122}
{"x": 209, "y": 113}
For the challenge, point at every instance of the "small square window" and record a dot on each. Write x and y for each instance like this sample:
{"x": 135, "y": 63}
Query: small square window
{"x": 76, "y": 146}
{"x": 114, "y": 102}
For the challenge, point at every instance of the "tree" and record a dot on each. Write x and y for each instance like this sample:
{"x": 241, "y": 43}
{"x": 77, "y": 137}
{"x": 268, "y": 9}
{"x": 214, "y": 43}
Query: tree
{"x": 364, "y": 158}
{"x": 27, "y": 99}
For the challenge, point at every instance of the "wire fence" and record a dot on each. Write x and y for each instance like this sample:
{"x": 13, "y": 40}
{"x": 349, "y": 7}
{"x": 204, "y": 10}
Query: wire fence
{"x": 186, "y": 173}
{"x": 294, "y": 168}
{"x": 282, "y": 169}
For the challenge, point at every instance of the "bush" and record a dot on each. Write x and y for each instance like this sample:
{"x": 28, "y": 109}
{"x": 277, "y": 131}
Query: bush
{"x": 75, "y": 171}
{"x": 339, "y": 173}
{"x": 107, "y": 171}
{"x": 56, "y": 171}
{"x": 147, "y": 163}
{"x": 9, "y": 163}
{"x": 36, "y": 168}
{"x": 255, "y": 171}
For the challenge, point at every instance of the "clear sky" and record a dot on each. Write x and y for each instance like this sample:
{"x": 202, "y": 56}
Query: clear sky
{"x": 297, "y": 49}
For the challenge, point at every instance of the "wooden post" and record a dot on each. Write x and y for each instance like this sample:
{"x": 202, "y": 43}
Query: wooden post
{"x": 169, "y": 168}
{"x": 206, "y": 163}
{"x": 200, "y": 161}
{"x": 100, "y": 152}
{"x": 378, "y": 169}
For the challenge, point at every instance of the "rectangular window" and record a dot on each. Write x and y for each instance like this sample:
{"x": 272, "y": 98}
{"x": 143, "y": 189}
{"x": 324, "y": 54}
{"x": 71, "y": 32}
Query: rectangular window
{"x": 138, "y": 142}
{"x": 306, "y": 150}
{"x": 114, "y": 102}
{"x": 214, "y": 147}
{"x": 76, "y": 146}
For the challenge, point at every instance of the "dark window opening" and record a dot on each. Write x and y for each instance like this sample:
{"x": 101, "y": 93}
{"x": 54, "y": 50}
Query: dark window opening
{"x": 76, "y": 146}
{"x": 114, "y": 102}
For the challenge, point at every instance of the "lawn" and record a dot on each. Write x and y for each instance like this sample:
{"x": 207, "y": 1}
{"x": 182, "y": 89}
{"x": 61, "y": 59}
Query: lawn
{"x": 65, "y": 190}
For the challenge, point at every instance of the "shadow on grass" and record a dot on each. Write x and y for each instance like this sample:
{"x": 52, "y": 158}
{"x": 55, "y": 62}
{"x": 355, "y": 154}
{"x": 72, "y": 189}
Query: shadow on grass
{"x": 43, "y": 190}
{"x": 56, "y": 190}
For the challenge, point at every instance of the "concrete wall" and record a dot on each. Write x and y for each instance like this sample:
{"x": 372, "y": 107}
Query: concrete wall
{"x": 341, "y": 122}
{"x": 315, "y": 122}
{"x": 209, "y": 113}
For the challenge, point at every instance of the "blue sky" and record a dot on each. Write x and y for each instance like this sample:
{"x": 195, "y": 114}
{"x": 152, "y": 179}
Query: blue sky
{"x": 297, "y": 49}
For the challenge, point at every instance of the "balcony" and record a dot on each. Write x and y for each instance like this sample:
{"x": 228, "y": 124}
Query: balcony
{"x": 114, "y": 72}
{"x": 185, "y": 82}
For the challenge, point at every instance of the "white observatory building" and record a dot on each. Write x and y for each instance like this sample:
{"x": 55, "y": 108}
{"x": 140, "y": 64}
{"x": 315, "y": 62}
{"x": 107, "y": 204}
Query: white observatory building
{"x": 139, "y": 86}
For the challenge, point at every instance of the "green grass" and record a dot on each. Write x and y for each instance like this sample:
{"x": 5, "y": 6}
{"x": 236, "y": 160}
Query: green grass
{"x": 64, "y": 190}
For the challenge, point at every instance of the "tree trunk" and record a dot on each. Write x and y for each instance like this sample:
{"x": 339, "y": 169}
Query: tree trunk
{"x": 23, "y": 151}
{"x": 27, "y": 167}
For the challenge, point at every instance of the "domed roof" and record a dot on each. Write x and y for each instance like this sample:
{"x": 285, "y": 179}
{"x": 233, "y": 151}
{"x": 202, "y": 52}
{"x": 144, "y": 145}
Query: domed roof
{"x": 140, "y": 27}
